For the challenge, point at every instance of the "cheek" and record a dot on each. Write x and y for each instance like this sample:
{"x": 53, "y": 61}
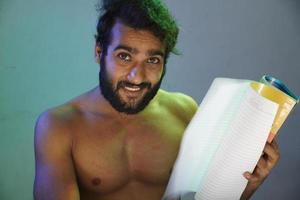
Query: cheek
{"x": 113, "y": 72}
{"x": 154, "y": 75}
{"x": 110, "y": 64}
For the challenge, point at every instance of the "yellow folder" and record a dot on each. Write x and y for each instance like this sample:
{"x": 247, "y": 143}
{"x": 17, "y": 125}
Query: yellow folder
{"x": 274, "y": 90}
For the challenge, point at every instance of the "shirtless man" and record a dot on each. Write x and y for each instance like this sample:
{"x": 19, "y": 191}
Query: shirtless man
{"x": 119, "y": 140}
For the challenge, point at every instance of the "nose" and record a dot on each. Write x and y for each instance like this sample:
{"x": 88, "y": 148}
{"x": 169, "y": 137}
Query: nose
{"x": 136, "y": 75}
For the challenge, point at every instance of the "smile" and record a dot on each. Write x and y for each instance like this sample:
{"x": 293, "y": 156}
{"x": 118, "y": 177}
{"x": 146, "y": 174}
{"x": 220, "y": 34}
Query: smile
{"x": 132, "y": 89}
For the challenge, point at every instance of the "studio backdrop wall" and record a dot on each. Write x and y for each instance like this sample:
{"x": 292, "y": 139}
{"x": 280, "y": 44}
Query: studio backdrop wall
{"x": 47, "y": 58}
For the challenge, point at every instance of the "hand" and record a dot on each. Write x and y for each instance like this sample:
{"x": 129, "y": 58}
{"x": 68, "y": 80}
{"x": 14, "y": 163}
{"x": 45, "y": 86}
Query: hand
{"x": 263, "y": 168}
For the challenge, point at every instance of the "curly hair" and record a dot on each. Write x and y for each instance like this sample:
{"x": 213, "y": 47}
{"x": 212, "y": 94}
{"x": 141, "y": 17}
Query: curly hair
{"x": 150, "y": 15}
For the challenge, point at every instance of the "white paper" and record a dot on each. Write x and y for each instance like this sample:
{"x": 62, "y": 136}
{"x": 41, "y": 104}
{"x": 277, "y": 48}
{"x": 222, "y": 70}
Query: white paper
{"x": 207, "y": 141}
{"x": 240, "y": 149}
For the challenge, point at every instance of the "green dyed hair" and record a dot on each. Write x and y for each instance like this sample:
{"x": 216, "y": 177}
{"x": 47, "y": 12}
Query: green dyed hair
{"x": 150, "y": 15}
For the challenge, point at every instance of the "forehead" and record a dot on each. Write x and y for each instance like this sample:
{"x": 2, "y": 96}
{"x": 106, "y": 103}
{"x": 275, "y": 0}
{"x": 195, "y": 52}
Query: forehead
{"x": 136, "y": 38}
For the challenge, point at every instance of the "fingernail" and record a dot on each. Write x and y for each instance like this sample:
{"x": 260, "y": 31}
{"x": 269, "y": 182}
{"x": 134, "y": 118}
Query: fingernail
{"x": 247, "y": 175}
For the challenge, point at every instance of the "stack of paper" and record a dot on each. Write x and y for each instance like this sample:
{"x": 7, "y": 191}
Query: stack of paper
{"x": 224, "y": 139}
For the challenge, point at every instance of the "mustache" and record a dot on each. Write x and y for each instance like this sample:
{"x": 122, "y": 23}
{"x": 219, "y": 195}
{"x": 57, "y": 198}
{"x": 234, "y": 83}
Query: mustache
{"x": 128, "y": 84}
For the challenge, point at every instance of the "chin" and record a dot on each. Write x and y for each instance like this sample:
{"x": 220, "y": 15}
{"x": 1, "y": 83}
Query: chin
{"x": 133, "y": 106}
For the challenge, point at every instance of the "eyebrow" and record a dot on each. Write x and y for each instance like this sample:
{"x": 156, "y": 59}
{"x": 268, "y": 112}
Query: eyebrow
{"x": 127, "y": 48}
{"x": 151, "y": 52}
{"x": 155, "y": 52}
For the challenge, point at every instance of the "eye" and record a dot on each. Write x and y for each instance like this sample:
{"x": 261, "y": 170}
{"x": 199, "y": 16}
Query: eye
{"x": 153, "y": 60}
{"x": 124, "y": 56}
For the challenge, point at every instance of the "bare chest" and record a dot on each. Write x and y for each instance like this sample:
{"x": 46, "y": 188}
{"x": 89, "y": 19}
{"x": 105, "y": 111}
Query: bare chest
{"x": 108, "y": 154}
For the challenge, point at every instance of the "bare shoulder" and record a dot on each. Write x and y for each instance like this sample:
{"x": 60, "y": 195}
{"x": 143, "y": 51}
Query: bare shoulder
{"x": 59, "y": 116}
{"x": 53, "y": 155}
{"x": 180, "y": 104}
{"x": 55, "y": 122}
{"x": 61, "y": 119}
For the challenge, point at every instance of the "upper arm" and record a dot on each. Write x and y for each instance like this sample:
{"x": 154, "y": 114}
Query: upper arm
{"x": 186, "y": 105}
{"x": 190, "y": 105}
{"x": 54, "y": 174}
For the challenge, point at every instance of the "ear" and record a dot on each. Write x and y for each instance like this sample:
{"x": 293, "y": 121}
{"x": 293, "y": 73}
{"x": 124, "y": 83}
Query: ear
{"x": 98, "y": 52}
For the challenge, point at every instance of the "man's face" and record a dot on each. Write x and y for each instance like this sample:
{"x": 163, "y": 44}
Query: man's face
{"x": 132, "y": 69}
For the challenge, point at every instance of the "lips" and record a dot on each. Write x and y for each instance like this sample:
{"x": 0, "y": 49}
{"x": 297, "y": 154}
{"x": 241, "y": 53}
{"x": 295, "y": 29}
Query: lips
{"x": 132, "y": 89}
{"x": 132, "y": 92}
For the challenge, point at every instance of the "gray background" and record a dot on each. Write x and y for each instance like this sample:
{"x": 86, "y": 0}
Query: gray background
{"x": 46, "y": 58}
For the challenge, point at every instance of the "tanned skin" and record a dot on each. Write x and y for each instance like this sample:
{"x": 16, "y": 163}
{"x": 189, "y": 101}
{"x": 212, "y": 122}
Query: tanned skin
{"x": 85, "y": 149}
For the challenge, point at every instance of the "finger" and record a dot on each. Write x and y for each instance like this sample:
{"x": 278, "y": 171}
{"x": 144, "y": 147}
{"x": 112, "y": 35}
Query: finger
{"x": 252, "y": 178}
{"x": 262, "y": 173}
{"x": 275, "y": 145}
{"x": 271, "y": 153}
{"x": 247, "y": 175}
{"x": 262, "y": 163}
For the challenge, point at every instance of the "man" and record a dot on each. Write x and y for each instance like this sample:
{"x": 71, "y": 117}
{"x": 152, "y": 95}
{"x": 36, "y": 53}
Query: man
{"x": 120, "y": 139}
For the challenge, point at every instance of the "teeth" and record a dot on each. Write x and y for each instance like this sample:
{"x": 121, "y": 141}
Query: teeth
{"x": 132, "y": 89}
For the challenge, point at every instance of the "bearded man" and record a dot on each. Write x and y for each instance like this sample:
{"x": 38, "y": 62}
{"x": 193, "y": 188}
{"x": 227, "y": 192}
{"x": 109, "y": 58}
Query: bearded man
{"x": 120, "y": 139}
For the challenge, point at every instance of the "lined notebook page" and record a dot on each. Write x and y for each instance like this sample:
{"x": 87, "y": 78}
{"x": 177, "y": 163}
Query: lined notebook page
{"x": 204, "y": 134}
{"x": 224, "y": 139}
{"x": 240, "y": 149}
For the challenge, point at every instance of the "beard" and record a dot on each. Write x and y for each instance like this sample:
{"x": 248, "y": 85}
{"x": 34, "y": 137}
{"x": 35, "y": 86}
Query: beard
{"x": 112, "y": 95}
